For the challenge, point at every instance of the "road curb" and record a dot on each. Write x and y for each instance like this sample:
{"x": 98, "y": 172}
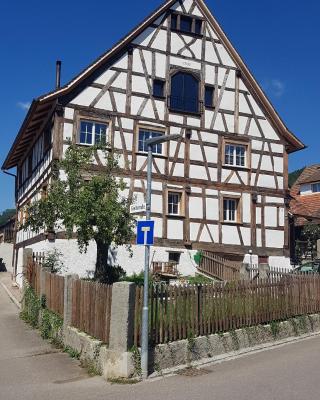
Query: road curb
{"x": 11, "y": 296}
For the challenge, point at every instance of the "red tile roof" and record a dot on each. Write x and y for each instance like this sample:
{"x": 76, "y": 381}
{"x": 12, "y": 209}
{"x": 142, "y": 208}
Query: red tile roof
{"x": 306, "y": 208}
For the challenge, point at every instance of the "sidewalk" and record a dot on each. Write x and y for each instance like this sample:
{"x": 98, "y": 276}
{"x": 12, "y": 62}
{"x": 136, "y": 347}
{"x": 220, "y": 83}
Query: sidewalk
{"x": 14, "y": 292}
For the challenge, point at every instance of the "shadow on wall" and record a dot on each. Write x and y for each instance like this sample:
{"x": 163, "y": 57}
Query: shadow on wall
{"x": 2, "y": 266}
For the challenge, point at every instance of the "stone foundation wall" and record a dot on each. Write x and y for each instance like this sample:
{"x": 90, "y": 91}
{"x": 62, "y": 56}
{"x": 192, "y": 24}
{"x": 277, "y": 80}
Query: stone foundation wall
{"x": 187, "y": 352}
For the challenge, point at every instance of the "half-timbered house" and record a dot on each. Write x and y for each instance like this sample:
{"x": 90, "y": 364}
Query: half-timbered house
{"x": 222, "y": 187}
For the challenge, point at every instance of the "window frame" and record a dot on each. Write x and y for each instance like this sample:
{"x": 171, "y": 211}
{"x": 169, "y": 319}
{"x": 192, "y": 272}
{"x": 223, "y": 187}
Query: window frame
{"x": 238, "y": 209}
{"x": 213, "y": 96}
{"x": 181, "y": 204}
{"x": 193, "y": 19}
{"x": 162, "y": 131}
{"x": 94, "y": 122}
{"x": 177, "y": 253}
{"x": 163, "y": 96}
{"x": 317, "y": 185}
{"x": 197, "y": 76}
{"x": 236, "y": 142}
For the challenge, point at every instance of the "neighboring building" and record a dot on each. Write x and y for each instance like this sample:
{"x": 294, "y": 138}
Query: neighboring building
{"x": 305, "y": 203}
{"x": 7, "y": 231}
{"x": 222, "y": 187}
{"x": 305, "y": 193}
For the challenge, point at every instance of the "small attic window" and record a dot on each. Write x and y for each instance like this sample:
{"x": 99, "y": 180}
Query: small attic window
{"x": 158, "y": 88}
{"x": 315, "y": 187}
{"x": 186, "y": 24}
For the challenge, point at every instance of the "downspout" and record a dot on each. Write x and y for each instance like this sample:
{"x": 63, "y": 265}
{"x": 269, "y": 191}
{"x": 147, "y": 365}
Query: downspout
{"x": 14, "y": 258}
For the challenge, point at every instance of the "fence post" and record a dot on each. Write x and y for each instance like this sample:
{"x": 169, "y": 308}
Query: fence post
{"x": 318, "y": 248}
{"x": 67, "y": 300}
{"x": 26, "y": 259}
{"x": 119, "y": 362}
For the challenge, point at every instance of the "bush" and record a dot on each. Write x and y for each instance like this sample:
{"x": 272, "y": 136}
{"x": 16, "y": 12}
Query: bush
{"x": 198, "y": 280}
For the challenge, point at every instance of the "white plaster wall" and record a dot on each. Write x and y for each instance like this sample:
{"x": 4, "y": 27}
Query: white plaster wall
{"x": 84, "y": 264}
{"x": 274, "y": 239}
{"x": 6, "y": 253}
{"x": 271, "y": 216}
{"x": 280, "y": 262}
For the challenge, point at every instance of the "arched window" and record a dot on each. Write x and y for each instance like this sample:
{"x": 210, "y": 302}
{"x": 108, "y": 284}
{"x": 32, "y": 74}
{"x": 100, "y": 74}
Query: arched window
{"x": 184, "y": 93}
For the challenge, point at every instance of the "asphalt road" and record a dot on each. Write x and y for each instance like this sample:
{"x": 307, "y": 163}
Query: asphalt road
{"x": 31, "y": 369}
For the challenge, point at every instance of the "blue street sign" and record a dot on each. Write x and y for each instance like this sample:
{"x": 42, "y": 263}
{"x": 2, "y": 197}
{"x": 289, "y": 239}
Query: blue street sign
{"x": 145, "y": 232}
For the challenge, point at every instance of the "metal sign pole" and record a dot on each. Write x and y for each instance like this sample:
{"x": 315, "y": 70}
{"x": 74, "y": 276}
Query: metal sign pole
{"x": 145, "y": 322}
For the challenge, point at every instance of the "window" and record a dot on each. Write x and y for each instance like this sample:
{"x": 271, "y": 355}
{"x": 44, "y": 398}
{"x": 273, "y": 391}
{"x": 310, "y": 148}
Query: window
{"x": 145, "y": 134}
{"x": 93, "y": 133}
{"x": 174, "y": 257}
{"x": 315, "y": 187}
{"x": 47, "y": 140}
{"x": 158, "y": 88}
{"x": 235, "y": 155}
{"x": 184, "y": 93}
{"x": 208, "y": 96}
{"x": 230, "y": 210}
{"x": 198, "y": 27}
{"x": 174, "y": 199}
{"x": 174, "y": 21}
{"x": 30, "y": 166}
{"x": 186, "y": 24}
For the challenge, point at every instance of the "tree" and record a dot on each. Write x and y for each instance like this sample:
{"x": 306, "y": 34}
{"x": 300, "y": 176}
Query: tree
{"x": 306, "y": 245}
{"x": 6, "y": 215}
{"x": 87, "y": 203}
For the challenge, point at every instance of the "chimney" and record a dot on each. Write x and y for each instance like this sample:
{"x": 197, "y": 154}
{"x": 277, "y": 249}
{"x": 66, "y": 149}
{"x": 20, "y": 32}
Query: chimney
{"x": 58, "y": 74}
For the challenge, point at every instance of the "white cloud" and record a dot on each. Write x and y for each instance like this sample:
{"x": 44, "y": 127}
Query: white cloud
{"x": 24, "y": 105}
{"x": 274, "y": 87}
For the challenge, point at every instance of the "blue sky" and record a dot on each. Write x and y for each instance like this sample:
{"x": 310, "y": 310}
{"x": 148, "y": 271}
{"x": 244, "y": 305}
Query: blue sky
{"x": 279, "y": 40}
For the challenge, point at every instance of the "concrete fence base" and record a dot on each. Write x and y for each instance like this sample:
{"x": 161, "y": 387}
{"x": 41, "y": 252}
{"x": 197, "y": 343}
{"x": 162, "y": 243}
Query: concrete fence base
{"x": 187, "y": 352}
{"x": 118, "y": 360}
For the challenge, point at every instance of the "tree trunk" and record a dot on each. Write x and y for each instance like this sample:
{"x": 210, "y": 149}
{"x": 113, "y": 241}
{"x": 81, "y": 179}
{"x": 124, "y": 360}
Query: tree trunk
{"x": 101, "y": 272}
{"x": 106, "y": 272}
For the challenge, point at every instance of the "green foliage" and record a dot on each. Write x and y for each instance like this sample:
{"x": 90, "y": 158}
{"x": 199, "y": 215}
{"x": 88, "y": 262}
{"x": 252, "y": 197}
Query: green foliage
{"x": 53, "y": 262}
{"x": 89, "y": 204}
{"x": 6, "y": 215}
{"x": 136, "y": 360}
{"x": 191, "y": 341}
{"x": 138, "y": 279}
{"x": 235, "y": 339}
{"x": 72, "y": 353}
{"x": 51, "y": 323}
{"x": 307, "y": 243}
{"x": 198, "y": 257}
{"x": 198, "y": 280}
{"x": 32, "y": 307}
{"x": 293, "y": 176}
{"x": 275, "y": 328}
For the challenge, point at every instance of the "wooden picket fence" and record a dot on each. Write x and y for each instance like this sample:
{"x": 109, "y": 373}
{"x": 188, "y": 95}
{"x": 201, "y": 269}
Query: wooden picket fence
{"x": 54, "y": 292}
{"x": 218, "y": 267}
{"x": 181, "y": 312}
{"x": 32, "y": 275}
{"x": 91, "y": 308}
{"x": 38, "y": 257}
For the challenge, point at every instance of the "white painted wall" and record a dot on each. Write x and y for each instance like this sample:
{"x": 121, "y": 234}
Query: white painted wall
{"x": 6, "y": 253}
